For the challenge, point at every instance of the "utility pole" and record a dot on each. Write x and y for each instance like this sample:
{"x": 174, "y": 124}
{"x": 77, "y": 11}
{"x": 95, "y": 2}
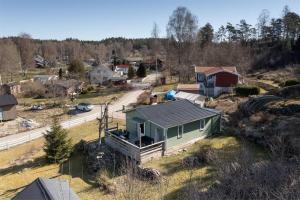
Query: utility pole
{"x": 103, "y": 120}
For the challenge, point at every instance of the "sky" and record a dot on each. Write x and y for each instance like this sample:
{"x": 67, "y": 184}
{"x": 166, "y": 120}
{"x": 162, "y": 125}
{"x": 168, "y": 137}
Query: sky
{"x": 100, "y": 19}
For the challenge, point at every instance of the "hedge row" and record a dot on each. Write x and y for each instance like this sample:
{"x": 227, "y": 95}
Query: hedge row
{"x": 246, "y": 90}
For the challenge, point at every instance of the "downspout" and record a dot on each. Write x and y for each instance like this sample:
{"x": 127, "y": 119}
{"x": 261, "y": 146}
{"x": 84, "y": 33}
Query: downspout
{"x": 165, "y": 143}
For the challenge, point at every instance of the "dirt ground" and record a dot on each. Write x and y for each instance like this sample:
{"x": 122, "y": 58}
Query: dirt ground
{"x": 16, "y": 126}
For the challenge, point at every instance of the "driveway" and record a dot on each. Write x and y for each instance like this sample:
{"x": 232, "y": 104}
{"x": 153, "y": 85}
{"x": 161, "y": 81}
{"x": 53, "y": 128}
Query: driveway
{"x": 115, "y": 111}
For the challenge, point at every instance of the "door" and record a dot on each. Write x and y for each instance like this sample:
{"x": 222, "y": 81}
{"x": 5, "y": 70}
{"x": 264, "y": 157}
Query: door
{"x": 158, "y": 135}
{"x": 1, "y": 114}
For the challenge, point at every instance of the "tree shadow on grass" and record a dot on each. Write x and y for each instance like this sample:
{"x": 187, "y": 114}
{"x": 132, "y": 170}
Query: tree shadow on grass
{"x": 37, "y": 162}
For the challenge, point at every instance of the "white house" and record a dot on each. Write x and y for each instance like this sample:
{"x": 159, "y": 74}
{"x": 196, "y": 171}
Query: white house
{"x": 45, "y": 78}
{"x": 122, "y": 69}
{"x": 100, "y": 74}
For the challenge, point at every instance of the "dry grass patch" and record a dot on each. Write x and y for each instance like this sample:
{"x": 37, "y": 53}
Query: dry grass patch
{"x": 22, "y": 164}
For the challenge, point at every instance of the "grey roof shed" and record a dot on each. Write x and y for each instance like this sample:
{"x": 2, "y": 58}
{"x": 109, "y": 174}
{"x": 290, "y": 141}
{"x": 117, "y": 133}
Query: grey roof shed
{"x": 47, "y": 189}
{"x": 8, "y": 100}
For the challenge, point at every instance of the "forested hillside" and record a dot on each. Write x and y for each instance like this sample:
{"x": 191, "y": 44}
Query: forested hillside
{"x": 271, "y": 43}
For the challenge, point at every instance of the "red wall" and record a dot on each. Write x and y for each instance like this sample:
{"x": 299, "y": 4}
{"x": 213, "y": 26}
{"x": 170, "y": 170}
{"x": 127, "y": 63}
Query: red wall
{"x": 225, "y": 79}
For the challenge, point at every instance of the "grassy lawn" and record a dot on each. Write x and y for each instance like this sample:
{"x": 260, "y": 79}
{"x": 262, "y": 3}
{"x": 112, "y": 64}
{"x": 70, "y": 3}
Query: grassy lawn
{"x": 21, "y": 165}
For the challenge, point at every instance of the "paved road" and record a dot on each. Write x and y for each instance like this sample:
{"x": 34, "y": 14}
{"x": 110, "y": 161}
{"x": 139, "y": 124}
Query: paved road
{"x": 115, "y": 110}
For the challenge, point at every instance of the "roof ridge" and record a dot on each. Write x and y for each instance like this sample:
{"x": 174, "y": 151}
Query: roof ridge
{"x": 44, "y": 189}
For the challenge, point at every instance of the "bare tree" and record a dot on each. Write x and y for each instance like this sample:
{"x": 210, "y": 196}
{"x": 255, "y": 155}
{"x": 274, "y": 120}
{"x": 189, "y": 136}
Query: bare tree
{"x": 25, "y": 46}
{"x": 9, "y": 60}
{"x": 181, "y": 31}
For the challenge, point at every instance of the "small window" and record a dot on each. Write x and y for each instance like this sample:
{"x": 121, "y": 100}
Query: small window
{"x": 142, "y": 129}
{"x": 180, "y": 131}
{"x": 202, "y": 124}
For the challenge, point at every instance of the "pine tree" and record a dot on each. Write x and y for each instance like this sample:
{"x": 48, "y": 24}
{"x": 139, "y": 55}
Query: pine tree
{"x": 141, "y": 72}
{"x": 130, "y": 72}
{"x": 57, "y": 145}
{"x": 60, "y": 73}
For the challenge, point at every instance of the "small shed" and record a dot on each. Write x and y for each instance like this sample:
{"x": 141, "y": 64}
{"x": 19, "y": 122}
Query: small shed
{"x": 47, "y": 189}
{"x": 8, "y": 104}
{"x": 194, "y": 98}
{"x": 190, "y": 88}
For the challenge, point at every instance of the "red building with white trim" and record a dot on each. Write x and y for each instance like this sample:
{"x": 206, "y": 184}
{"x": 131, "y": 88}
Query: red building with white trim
{"x": 214, "y": 81}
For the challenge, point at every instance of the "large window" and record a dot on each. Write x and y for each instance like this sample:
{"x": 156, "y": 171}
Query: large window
{"x": 180, "y": 131}
{"x": 202, "y": 124}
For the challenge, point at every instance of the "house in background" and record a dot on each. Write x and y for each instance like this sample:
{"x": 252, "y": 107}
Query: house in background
{"x": 40, "y": 62}
{"x": 47, "y": 189}
{"x": 122, "y": 69}
{"x": 63, "y": 88}
{"x": 44, "y": 78}
{"x": 214, "y": 81}
{"x": 14, "y": 87}
{"x": 8, "y": 103}
{"x": 100, "y": 75}
{"x": 156, "y": 130}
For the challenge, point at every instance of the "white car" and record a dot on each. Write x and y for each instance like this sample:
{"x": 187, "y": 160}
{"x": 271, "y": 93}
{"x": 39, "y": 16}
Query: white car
{"x": 84, "y": 107}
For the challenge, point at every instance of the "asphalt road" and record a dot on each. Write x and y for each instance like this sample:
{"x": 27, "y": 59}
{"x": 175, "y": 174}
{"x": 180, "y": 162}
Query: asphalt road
{"x": 114, "y": 109}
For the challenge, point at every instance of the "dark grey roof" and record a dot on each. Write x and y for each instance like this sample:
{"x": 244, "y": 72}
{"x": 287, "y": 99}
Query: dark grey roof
{"x": 47, "y": 189}
{"x": 174, "y": 113}
{"x": 7, "y": 100}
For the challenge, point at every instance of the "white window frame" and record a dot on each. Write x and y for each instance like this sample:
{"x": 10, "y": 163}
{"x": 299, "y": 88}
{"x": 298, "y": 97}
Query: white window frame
{"x": 179, "y": 135}
{"x": 201, "y": 124}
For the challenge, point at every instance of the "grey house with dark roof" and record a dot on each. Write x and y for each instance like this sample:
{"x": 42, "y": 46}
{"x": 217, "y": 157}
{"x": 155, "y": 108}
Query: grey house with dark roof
{"x": 8, "y": 104}
{"x": 165, "y": 127}
{"x": 47, "y": 189}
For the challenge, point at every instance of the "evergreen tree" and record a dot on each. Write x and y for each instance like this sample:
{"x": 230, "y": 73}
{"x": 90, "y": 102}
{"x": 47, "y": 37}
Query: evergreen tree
{"x": 60, "y": 73}
{"x": 57, "y": 145}
{"x": 130, "y": 72}
{"x": 141, "y": 72}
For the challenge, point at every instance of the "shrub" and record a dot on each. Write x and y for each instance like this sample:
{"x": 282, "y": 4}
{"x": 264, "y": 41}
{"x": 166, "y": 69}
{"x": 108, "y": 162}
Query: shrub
{"x": 76, "y": 66}
{"x": 246, "y": 90}
{"x": 105, "y": 183}
{"x": 34, "y": 90}
{"x": 131, "y": 72}
{"x": 290, "y": 82}
{"x": 144, "y": 98}
{"x": 90, "y": 88}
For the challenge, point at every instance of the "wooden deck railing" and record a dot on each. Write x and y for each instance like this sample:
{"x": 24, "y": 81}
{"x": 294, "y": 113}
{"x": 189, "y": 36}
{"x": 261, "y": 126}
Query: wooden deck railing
{"x": 131, "y": 150}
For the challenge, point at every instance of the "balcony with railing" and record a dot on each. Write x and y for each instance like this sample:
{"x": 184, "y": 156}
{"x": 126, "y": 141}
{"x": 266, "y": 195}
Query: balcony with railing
{"x": 140, "y": 149}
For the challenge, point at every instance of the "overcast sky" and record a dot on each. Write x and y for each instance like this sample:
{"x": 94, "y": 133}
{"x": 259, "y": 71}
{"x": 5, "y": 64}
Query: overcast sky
{"x": 99, "y": 19}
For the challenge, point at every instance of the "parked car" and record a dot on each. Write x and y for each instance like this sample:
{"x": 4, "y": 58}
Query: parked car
{"x": 84, "y": 107}
{"x": 38, "y": 107}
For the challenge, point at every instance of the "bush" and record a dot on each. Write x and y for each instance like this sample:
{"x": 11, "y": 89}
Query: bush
{"x": 246, "y": 90}
{"x": 76, "y": 67}
{"x": 131, "y": 72}
{"x": 34, "y": 90}
{"x": 105, "y": 183}
{"x": 290, "y": 82}
{"x": 144, "y": 98}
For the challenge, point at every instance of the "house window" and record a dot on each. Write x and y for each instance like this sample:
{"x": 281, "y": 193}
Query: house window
{"x": 202, "y": 124}
{"x": 141, "y": 129}
{"x": 180, "y": 131}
